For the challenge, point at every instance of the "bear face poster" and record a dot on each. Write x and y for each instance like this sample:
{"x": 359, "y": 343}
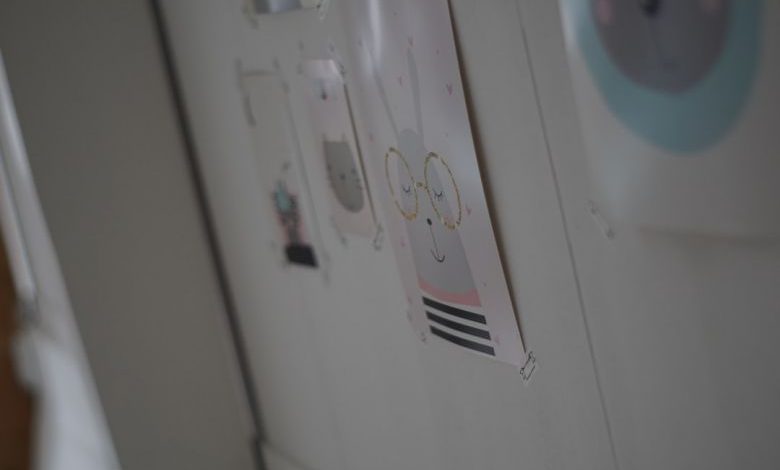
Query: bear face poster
{"x": 421, "y": 149}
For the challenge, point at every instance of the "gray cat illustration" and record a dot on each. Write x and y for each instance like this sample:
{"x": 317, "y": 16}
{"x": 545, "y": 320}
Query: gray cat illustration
{"x": 344, "y": 175}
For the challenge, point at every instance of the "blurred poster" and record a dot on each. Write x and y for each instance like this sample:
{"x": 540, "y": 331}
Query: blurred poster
{"x": 278, "y": 173}
{"x": 421, "y": 147}
{"x": 677, "y": 100}
{"x": 350, "y": 202}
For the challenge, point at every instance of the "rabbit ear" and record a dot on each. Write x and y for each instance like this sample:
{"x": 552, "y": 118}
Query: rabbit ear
{"x": 382, "y": 93}
{"x": 414, "y": 82}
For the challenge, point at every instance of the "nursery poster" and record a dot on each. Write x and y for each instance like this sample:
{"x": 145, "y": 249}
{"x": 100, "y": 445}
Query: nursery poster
{"x": 270, "y": 119}
{"x": 673, "y": 97}
{"x": 351, "y": 208}
{"x": 421, "y": 149}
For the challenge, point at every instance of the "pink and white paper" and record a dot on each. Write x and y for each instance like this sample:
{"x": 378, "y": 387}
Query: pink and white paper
{"x": 421, "y": 148}
{"x": 350, "y": 202}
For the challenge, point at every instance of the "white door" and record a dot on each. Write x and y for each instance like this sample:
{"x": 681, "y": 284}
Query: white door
{"x": 71, "y": 428}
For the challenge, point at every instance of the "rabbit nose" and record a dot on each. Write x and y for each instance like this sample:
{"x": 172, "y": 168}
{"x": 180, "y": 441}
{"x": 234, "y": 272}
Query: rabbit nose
{"x": 429, "y": 221}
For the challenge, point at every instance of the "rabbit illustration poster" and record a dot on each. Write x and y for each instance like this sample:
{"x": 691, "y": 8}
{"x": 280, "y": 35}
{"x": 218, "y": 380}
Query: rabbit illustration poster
{"x": 279, "y": 176}
{"x": 674, "y": 97}
{"x": 351, "y": 206}
{"x": 421, "y": 148}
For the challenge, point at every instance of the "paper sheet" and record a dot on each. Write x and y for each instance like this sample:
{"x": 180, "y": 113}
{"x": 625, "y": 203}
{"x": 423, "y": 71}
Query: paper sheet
{"x": 421, "y": 150}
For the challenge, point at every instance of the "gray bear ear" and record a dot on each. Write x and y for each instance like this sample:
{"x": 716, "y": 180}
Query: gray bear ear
{"x": 414, "y": 81}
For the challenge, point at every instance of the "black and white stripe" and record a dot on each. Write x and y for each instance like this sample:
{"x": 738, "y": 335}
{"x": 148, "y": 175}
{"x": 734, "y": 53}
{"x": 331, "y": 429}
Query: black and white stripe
{"x": 458, "y": 326}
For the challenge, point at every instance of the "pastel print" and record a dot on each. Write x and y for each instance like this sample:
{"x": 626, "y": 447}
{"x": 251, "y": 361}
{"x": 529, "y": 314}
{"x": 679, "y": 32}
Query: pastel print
{"x": 344, "y": 175}
{"x": 425, "y": 190}
{"x": 676, "y": 72}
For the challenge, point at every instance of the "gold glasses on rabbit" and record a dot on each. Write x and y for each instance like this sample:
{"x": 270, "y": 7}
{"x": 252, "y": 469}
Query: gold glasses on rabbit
{"x": 435, "y": 197}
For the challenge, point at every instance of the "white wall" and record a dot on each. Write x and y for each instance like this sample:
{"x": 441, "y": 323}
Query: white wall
{"x": 684, "y": 326}
{"x": 107, "y": 156}
{"x": 343, "y": 382}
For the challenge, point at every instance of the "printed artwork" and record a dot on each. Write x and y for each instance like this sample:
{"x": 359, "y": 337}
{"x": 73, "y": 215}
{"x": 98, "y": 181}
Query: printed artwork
{"x": 279, "y": 176}
{"x": 422, "y": 147}
{"x": 674, "y": 96}
{"x": 425, "y": 193}
{"x": 351, "y": 207}
{"x": 344, "y": 175}
{"x": 288, "y": 214}
{"x": 688, "y": 65}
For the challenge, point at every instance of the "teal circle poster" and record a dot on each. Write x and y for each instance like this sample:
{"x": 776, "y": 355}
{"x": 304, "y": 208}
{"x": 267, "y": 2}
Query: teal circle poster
{"x": 675, "y": 72}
